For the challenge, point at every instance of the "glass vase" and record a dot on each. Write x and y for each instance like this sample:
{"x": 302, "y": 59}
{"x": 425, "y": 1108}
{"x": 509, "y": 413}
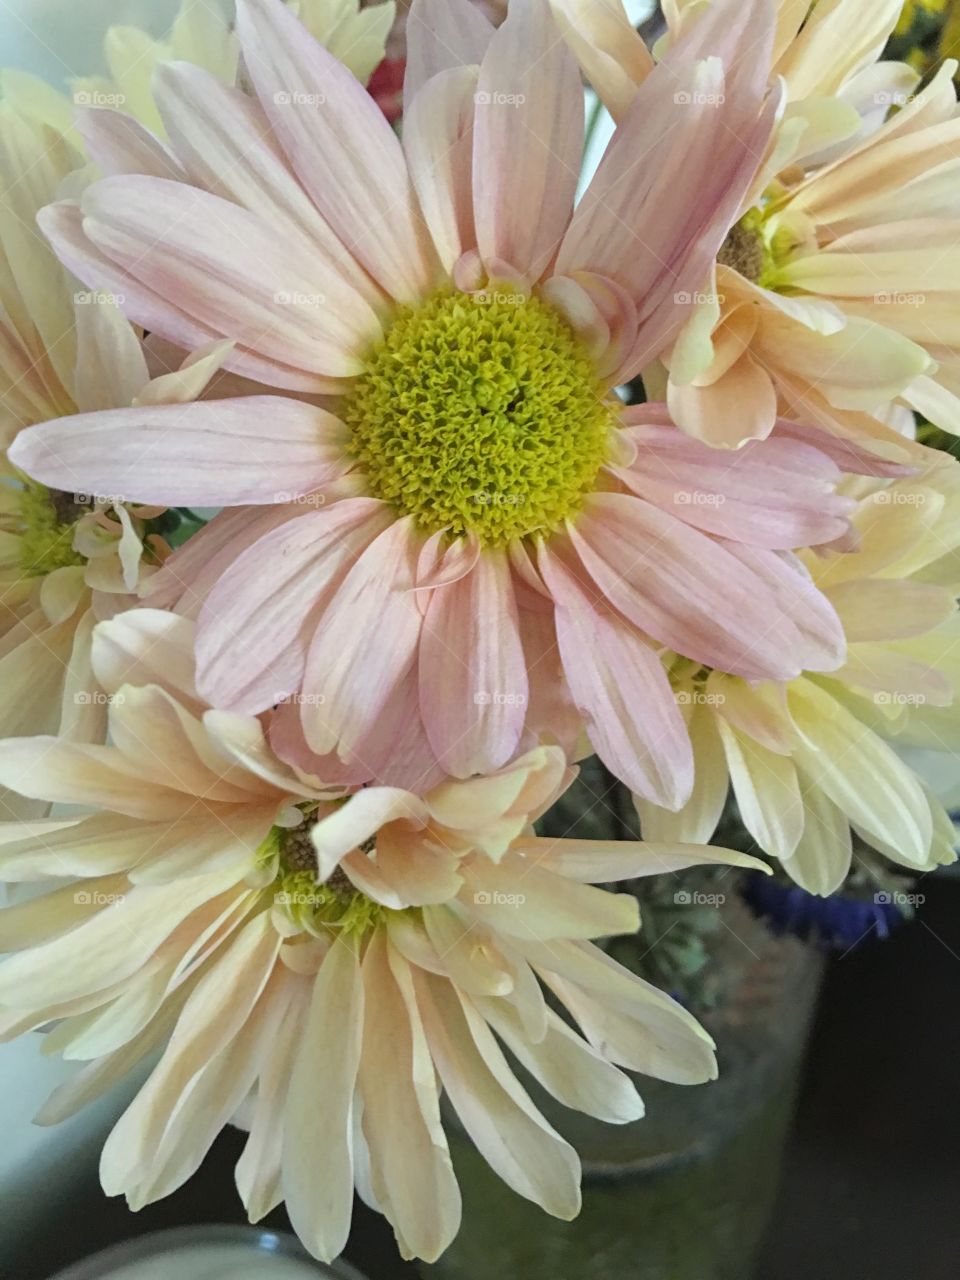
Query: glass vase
{"x": 686, "y": 1192}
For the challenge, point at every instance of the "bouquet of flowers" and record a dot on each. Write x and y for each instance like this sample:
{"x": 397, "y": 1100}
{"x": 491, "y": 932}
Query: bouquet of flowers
{"x": 363, "y": 475}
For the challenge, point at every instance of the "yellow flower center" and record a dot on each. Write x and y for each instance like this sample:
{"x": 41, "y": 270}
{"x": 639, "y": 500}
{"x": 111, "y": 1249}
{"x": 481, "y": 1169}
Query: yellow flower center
{"x": 481, "y": 414}
{"x": 48, "y": 519}
{"x": 745, "y": 248}
{"x": 335, "y": 906}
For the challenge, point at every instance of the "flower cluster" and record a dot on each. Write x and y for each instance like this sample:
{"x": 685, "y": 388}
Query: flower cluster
{"x": 501, "y": 478}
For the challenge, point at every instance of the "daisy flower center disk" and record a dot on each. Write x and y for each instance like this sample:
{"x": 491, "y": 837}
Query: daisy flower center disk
{"x": 332, "y": 907}
{"x": 48, "y": 520}
{"x": 481, "y": 414}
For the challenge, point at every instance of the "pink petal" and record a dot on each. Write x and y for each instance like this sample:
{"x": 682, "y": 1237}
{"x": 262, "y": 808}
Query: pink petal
{"x": 438, "y": 141}
{"x": 159, "y": 314}
{"x": 819, "y": 643}
{"x": 187, "y": 578}
{"x": 847, "y": 454}
{"x": 724, "y": 605}
{"x": 473, "y": 682}
{"x": 340, "y": 146}
{"x": 622, "y": 689}
{"x": 675, "y": 173}
{"x": 399, "y": 753}
{"x": 225, "y": 142}
{"x": 552, "y": 715}
{"x": 442, "y": 34}
{"x": 231, "y": 271}
{"x": 289, "y": 745}
{"x": 528, "y": 139}
{"x": 261, "y": 449}
{"x": 119, "y": 144}
{"x": 256, "y": 625}
{"x": 365, "y": 644}
{"x": 771, "y": 493}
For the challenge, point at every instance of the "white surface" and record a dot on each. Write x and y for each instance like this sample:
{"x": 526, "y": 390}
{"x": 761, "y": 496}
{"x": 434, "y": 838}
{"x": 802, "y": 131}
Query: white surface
{"x": 217, "y": 1262}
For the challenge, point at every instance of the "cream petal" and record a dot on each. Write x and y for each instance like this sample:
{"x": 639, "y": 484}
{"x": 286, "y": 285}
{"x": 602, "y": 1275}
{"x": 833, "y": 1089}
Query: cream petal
{"x": 508, "y": 1131}
{"x": 614, "y": 58}
{"x": 411, "y": 1175}
{"x": 629, "y": 1021}
{"x": 697, "y": 820}
{"x": 146, "y": 646}
{"x": 767, "y": 791}
{"x": 604, "y": 861}
{"x": 112, "y": 945}
{"x": 356, "y": 821}
{"x": 568, "y": 1068}
{"x": 111, "y": 366}
{"x": 522, "y": 900}
{"x": 213, "y": 1015}
{"x": 821, "y": 860}
{"x": 317, "y": 1145}
{"x": 860, "y": 774}
{"x": 44, "y": 768}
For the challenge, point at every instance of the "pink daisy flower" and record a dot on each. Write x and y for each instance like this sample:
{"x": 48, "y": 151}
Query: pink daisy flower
{"x": 467, "y": 544}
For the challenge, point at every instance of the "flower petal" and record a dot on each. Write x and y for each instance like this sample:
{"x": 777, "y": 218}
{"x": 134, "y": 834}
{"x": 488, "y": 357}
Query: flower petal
{"x": 228, "y": 269}
{"x": 619, "y": 684}
{"x": 254, "y": 449}
{"x": 317, "y": 1138}
{"x": 256, "y": 625}
{"x": 339, "y": 145}
{"x": 727, "y": 606}
{"x": 441, "y": 35}
{"x": 528, "y": 139}
{"x": 365, "y": 644}
{"x": 473, "y": 681}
